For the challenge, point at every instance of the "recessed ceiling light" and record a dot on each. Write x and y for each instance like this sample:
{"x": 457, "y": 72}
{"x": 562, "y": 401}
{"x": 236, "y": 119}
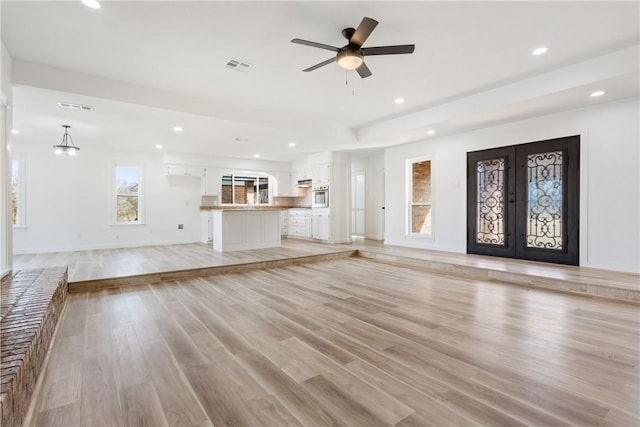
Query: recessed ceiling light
{"x": 292, "y": 144}
{"x": 257, "y": 156}
{"x": 177, "y": 128}
{"x": 399, "y": 100}
{"x": 159, "y": 146}
{"x": 539, "y": 51}
{"x": 597, "y": 93}
{"x": 15, "y": 131}
{"x": 431, "y": 132}
{"x": 93, "y": 4}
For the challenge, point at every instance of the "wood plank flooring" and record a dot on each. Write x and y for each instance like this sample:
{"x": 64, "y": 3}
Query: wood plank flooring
{"x": 346, "y": 342}
{"x": 124, "y": 262}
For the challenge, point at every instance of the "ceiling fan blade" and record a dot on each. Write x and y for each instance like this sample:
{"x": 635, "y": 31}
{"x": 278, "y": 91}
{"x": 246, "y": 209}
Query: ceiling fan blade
{"x": 363, "y": 31}
{"x": 363, "y": 70}
{"x": 322, "y": 64}
{"x": 388, "y": 50}
{"x": 314, "y": 44}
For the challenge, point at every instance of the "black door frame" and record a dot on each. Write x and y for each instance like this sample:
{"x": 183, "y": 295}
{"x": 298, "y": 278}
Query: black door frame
{"x": 515, "y": 201}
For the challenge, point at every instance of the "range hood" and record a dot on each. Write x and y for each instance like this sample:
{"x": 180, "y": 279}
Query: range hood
{"x": 304, "y": 183}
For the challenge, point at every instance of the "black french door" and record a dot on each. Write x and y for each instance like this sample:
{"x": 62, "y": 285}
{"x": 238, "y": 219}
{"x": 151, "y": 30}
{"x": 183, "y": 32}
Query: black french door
{"x": 523, "y": 201}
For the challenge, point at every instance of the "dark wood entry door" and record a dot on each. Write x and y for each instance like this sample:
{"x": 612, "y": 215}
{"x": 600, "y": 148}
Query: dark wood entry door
{"x": 523, "y": 201}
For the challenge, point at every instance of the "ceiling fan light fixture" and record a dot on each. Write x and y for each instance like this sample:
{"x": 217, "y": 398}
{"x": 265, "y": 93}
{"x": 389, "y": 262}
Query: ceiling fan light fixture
{"x": 93, "y": 4}
{"x": 66, "y": 146}
{"x": 349, "y": 59}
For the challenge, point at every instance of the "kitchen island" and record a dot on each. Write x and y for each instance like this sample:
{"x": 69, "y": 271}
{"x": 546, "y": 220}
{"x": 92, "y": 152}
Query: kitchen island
{"x": 237, "y": 228}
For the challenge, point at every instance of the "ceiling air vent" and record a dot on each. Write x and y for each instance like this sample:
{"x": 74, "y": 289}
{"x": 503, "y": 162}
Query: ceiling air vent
{"x": 75, "y": 106}
{"x": 237, "y": 65}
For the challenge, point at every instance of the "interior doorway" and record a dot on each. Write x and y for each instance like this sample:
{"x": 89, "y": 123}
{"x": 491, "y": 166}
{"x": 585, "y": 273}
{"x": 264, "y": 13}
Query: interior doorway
{"x": 358, "y": 204}
{"x": 523, "y": 201}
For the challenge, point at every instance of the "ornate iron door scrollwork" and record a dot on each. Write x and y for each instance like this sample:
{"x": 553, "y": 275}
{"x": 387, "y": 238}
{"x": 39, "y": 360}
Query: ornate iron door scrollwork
{"x": 491, "y": 208}
{"x": 544, "y": 210}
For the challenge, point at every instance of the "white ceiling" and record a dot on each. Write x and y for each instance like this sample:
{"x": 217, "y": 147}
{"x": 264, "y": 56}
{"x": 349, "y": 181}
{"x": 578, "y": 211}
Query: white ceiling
{"x": 164, "y": 64}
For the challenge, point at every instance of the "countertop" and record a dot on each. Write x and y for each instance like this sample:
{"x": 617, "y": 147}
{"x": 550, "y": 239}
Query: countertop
{"x": 249, "y": 208}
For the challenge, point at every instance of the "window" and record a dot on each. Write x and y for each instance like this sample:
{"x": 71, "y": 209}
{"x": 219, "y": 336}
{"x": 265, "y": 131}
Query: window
{"x": 420, "y": 198}
{"x": 17, "y": 193}
{"x": 245, "y": 190}
{"x": 128, "y": 195}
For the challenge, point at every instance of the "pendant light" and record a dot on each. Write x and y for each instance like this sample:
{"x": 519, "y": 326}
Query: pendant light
{"x": 66, "y": 146}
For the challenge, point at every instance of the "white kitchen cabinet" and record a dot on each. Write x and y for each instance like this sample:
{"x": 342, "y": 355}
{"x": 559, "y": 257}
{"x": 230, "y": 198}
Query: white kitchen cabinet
{"x": 195, "y": 171}
{"x": 293, "y": 182}
{"x": 206, "y": 226}
{"x": 321, "y": 173}
{"x": 320, "y": 227}
{"x": 284, "y": 223}
{"x": 282, "y": 185}
{"x": 242, "y": 229}
{"x": 299, "y": 223}
{"x": 307, "y": 227}
{"x": 304, "y": 174}
{"x": 184, "y": 170}
{"x": 211, "y": 182}
{"x": 176, "y": 170}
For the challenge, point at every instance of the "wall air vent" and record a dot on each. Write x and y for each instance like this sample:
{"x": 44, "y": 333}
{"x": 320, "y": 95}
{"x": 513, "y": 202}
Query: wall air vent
{"x": 75, "y": 106}
{"x": 237, "y": 65}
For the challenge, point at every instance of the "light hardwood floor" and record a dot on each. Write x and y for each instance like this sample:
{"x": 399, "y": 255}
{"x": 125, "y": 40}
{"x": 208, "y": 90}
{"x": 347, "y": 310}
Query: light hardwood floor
{"x": 346, "y": 342}
{"x": 123, "y": 262}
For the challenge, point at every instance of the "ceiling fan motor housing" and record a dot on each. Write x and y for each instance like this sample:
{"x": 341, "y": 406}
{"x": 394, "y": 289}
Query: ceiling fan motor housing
{"x": 348, "y": 33}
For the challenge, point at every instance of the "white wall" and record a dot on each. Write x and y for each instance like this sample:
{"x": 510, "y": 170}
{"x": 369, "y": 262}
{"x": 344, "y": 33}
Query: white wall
{"x": 227, "y": 164}
{"x": 69, "y": 201}
{"x": 609, "y": 181}
{"x": 373, "y": 168}
{"x": 6, "y": 98}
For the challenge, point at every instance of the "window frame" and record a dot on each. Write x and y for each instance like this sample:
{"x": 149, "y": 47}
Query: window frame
{"x": 258, "y": 177}
{"x": 115, "y": 194}
{"x": 21, "y": 215}
{"x": 409, "y": 198}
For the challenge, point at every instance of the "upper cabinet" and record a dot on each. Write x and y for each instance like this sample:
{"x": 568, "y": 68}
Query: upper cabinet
{"x": 282, "y": 185}
{"x": 322, "y": 173}
{"x": 184, "y": 170}
{"x": 305, "y": 173}
{"x": 211, "y": 182}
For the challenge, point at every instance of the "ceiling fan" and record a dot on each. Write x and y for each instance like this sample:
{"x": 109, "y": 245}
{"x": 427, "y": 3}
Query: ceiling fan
{"x": 351, "y": 56}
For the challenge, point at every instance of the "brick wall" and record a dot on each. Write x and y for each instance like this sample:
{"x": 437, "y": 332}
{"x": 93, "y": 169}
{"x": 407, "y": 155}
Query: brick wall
{"x": 241, "y": 194}
{"x": 421, "y": 176}
{"x": 421, "y": 184}
{"x": 31, "y": 304}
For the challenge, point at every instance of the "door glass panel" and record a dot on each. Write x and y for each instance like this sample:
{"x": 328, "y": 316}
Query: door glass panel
{"x": 544, "y": 195}
{"x": 491, "y": 207}
{"x": 421, "y": 182}
{"x": 421, "y": 219}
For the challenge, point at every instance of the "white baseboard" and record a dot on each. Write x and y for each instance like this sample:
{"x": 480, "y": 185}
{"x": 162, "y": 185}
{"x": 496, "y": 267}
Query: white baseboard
{"x": 374, "y": 237}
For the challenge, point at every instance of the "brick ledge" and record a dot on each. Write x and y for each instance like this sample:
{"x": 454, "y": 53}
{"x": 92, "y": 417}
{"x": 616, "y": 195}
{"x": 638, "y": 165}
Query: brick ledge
{"x": 30, "y": 307}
